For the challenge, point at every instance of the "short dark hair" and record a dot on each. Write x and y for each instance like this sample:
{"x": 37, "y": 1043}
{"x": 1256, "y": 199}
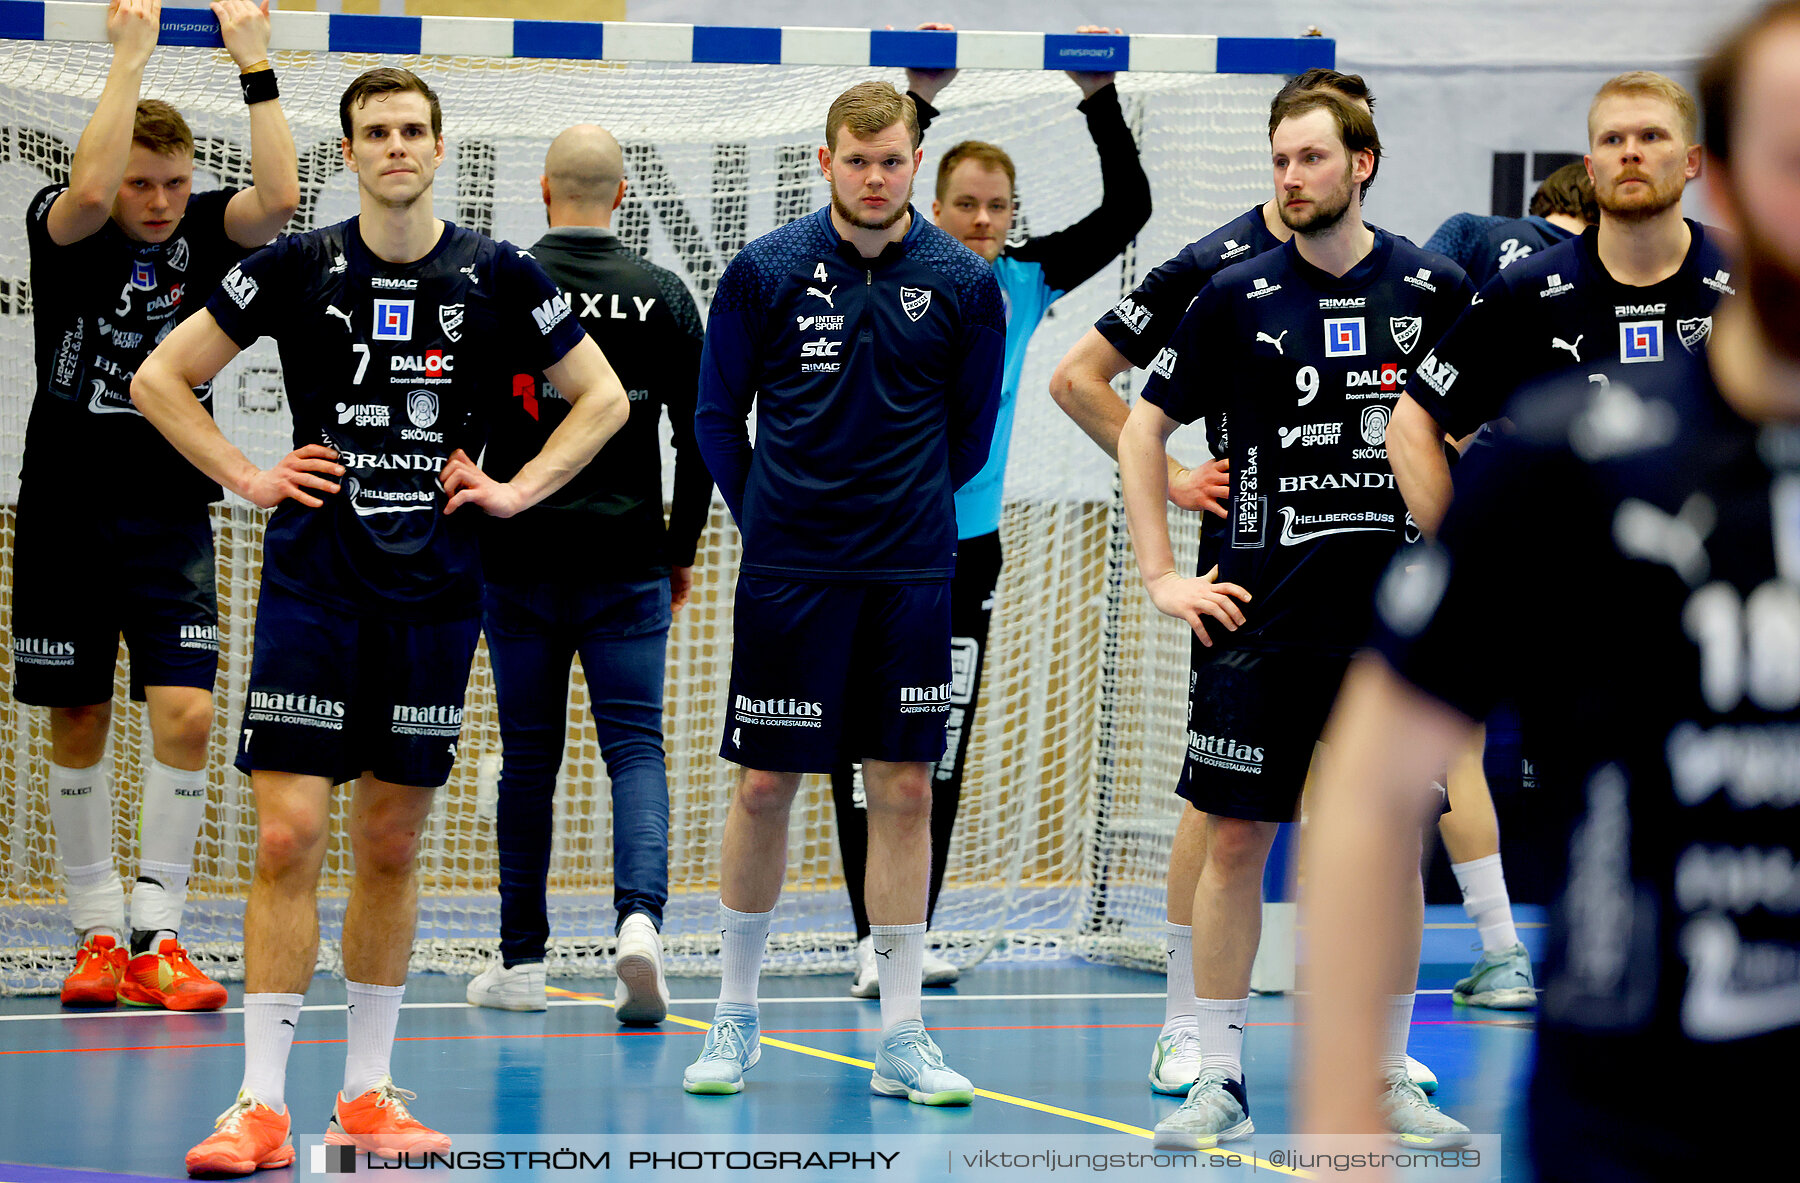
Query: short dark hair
{"x": 1356, "y": 127}
{"x": 160, "y": 128}
{"x": 989, "y": 156}
{"x": 1568, "y": 190}
{"x": 1351, "y": 86}
{"x": 1719, "y": 75}
{"x": 386, "y": 80}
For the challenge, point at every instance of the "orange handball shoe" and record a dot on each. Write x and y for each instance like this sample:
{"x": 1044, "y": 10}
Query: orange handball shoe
{"x": 168, "y": 979}
{"x": 99, "y": 964}
{"x": 248, "y": 1137}
{"x": 379, "y": 1123}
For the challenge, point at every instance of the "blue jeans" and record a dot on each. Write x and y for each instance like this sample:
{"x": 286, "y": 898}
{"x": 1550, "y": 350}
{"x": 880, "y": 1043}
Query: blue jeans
{"x": 621, "y": 631}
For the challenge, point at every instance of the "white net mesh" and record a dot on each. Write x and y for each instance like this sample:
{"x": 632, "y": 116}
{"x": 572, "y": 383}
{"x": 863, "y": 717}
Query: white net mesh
{"x": 1067, "y": 813}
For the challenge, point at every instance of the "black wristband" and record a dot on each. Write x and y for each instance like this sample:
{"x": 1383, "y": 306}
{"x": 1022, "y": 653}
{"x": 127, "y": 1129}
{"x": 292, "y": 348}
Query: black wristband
{"x": 259, "y": 87}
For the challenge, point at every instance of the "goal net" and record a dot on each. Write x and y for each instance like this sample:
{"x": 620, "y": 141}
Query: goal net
{"x": 1067, "y": 811}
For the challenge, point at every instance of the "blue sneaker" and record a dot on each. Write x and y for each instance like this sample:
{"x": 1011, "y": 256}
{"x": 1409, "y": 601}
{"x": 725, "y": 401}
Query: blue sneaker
{"x": 1216, "y": 1110}
{"x": 910, "y": 1065}
{"x": 1499, "y": 980}
{"x": 733, "y": 1045}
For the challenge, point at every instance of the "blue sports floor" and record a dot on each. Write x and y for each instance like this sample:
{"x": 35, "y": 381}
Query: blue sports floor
{"x": 1059, "y": 1050}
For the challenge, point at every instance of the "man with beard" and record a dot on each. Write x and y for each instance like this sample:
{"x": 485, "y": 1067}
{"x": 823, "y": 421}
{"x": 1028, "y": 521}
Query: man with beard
{"x": 870, "y": 343}
{"x": 1660, "y": 683}
{"x": 1328, "y": 318}
{"x": 399, "y": 335}
{"x": 1636, "y": 289}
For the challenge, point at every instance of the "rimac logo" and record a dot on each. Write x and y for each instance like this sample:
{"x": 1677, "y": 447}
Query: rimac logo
{"x": 1309, "y": 435}
{"x": 450, "y": 318}
{"x": 393, "y": 320}
{"x": 1640, "y": 341}
{"x": 913, "y": 301}
{"x": 1164, "y": 363}
{"x": 393, "y": 285}
{"x": 1554, "y": 286}
{"x": 1260, "y": 287}
{"x": 1332, "y": 303}
{"x": 1439, "y": 375}
{"x": 1694, "y": 333}
{"x": 1623, "y": 310}
{"x": 551, "y": 313}
{"x": 1132, "y": 315}
{"x": 1405, "y": 330}
{"x": 1344, "y": 337}
{"x": 363, "y": 414}
{"x": 240, "y": 287}
{"x": 422, "y": 408}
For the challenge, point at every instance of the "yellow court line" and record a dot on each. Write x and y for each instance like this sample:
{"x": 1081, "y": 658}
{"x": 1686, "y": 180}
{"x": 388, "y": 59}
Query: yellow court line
{"x": 1005, "y": 1098}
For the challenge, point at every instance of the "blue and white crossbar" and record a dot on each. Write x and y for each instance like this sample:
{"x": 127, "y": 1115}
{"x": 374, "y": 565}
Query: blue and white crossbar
{"x": 636, "y": 41}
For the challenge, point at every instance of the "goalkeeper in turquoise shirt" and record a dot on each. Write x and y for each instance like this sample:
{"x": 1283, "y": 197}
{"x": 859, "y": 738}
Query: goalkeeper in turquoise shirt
{"x": 974, "y": 203}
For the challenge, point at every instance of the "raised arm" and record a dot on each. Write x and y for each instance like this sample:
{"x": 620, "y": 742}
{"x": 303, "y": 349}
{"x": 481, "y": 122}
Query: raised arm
{"x": 255, "y": 215}
{"x": 104, "y": 150}
{"x": 163, "y": 392}
{"x": 598, "y": 407}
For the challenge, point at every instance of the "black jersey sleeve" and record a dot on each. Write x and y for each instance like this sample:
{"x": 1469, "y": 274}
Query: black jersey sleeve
{"x": 728, "y": 378}
{"x": 1473, "y": 368}
{"x": 1179, "y": 383}
{"x": 540, "y": 319}
{"x": 692, "y": 502}
{"x": 1071, "y": 255}
{"x": 255, "y": 295}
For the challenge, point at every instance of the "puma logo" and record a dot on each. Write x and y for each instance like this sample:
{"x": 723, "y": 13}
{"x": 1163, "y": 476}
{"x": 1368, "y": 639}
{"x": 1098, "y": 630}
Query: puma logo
{"x": 341, "y": 315}
{"x": 825, "y": 296}
{"x": 1233, "y": 1027}
{"x": 288, "y": 1023}
{"x": 1275, "y": 341}
{"x": 1574, "y": 350}
{"x": 883, "y": 952}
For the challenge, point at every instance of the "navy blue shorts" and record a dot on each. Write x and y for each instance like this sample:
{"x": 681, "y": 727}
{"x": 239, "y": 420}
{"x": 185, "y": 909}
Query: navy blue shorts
{"x": 823, "y": 672}
{"x": 1253, "y": 718}
{"x": 336, "y": 694}
{"x": 80, "y": 581}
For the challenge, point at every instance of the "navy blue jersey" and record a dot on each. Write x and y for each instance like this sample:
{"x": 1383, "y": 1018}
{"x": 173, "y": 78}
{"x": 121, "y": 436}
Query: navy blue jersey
{"x": 99, "y": 306}
{"x": 395, "y": 366}
{"x": 876, "y": 383}
{"x": 1510, "y": 241}
{"x": 1308, "y": 366}
{"x": 1461, "y": 236}
{"x": 1660, "y": 688}
{"x": 1559, "y": 310}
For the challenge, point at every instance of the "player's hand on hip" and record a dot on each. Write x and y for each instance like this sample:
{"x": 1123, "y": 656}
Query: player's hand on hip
{"x": 1092, "y": 80}
{"x": 681, "y": 582}
{"x": 133, "y": 26}
{"x": 244, "y": 27}
{"x": 303, "y": 469}
{"x": 463, "y": 479}
{"x": 927, "y": 83}
{"x": 1193, "y": 600}
{"x": 1207, "y": 487}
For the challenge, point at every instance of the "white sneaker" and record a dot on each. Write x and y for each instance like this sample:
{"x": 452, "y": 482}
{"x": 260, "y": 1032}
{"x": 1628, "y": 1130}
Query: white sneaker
{"x": 518, "y": 988}
{"x": 1422, "y": 1076}
{"x": 641, "y": 998}
{"x": 937, "y": 971}
{"x": 1175, "y": 1061}
{"x": 866, "y": 983}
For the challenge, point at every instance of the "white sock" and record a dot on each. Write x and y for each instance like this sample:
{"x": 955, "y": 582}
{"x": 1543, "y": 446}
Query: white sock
{"x": 269, "y": 1021}
{"x": 744, "y": 935}
{"x": 1484, "y": 895}
{"x": 900, "y": 968}
{"x": 374, "y": 1013}
{"x": 1221, "y": 1023}
{"x": 1399, "y": 1027}
{"x": 81, "y": 814}
{"x": 1178, "y": 1007}
{"x": 168, "y": 827}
